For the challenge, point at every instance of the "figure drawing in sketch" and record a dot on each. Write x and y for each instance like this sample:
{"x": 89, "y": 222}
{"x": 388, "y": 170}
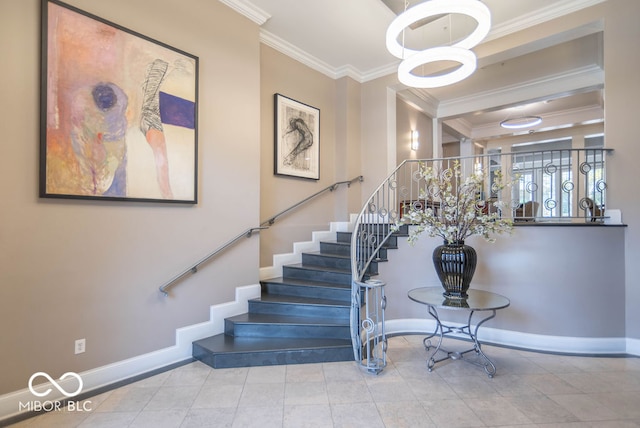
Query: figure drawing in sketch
{"x": 299, "y": 131}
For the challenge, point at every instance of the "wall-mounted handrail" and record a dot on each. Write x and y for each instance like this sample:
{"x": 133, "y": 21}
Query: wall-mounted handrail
{"x": 248, "y": 233}
{"x": 331, "y": 188}
{"x": 194, "y": 269}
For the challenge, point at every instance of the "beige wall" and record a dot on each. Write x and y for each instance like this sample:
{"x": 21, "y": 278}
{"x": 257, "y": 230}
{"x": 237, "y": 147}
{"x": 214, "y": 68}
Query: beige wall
{"x": 348, "y": 144}
{"x": 408, "y": 119}
{"x": 451, "y": 150}
{"x": 378, "y": 117}
{"x": 91, "y": 269}
{"x": 622, "y": 90}
{"x": 339, "y": 161}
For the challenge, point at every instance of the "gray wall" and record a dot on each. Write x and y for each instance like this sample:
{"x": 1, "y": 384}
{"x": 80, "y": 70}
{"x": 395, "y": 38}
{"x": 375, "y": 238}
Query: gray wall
{"x": 561, "y": 280}
{"x": 622, "y": 86}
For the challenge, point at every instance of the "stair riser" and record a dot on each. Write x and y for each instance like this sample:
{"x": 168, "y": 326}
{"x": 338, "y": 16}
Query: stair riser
{"x": 333, "y": 262}
{"x": 326, "y": 261}
{"x": 345, "y": 237}
{"x": 338, "y": 249}
{"x": 335, "y": 248}
{"x": 339, "y": 294}
{"x": 314, "y": 275}
{"x": 302, "y": 310}
{"x": 272, "y": 358}
{"x": 287, "y": 330}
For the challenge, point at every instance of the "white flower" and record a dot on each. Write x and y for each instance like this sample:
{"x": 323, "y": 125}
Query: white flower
{"x": 461, "y": 209}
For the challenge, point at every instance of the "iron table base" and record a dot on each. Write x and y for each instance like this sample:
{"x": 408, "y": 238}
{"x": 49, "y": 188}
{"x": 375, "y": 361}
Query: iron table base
{"x": 442, "y": 330}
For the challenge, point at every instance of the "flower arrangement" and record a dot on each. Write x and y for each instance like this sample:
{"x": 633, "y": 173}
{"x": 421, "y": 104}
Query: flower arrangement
{"x": 454, "y": 208}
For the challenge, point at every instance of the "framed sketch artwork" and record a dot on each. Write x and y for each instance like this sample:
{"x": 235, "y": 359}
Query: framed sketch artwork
{"x": 297, "y": 139}
{"x": 118, "y": 112}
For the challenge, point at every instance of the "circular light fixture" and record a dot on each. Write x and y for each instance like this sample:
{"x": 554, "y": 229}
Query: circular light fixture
{"x": 521, "y": 122}
{"x": 473, "y": 8}
{"x": 459, "y": 52}
{"x": 465, "y": 57}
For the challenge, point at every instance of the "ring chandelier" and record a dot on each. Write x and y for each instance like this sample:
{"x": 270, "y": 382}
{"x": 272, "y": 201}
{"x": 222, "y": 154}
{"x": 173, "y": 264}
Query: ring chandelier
{"x": 521, "y": 122}
{"x": 459, "y": 52}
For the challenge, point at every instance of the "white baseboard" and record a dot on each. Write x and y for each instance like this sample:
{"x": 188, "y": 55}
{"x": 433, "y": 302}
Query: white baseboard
{"x": 106, "y": 375}
{"x": 633, "y": 347}
{"x": 294, "y": 257}
{"x": 535, "y": 342}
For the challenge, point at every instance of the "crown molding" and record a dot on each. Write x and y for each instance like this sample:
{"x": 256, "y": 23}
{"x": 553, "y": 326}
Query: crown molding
{"x": 574, "y": 80}
{"x": 555, "y": 11}
{"x": 427, "y": 105}
{"x": 427, "y": 102}
{"x": 461, "y": 126}
{"x": 299, "y": 55}
{"x": 259, "y": 16}
{"x": 249, "y": 10}
{"x": 303, "y": 57}
{"x": 378, "y": 72}
{"x": 566, "y": 118}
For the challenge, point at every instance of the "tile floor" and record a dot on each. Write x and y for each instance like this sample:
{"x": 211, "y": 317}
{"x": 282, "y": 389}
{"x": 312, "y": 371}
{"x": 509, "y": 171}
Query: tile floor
{"x": 529, "y": 390}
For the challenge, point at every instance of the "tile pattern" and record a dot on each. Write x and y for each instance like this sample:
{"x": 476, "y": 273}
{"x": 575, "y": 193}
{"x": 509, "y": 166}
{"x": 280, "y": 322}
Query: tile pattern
{"x": 529, "y": 390}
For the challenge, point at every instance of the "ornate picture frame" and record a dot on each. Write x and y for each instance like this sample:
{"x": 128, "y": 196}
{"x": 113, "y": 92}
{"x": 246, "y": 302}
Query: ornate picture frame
{"x": 297, "y": 139}
{"x": 119, "y": 112}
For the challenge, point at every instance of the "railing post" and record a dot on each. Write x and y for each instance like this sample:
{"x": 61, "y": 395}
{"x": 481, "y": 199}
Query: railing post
{"x": 373, "y": 324}
{"x": 506, "y": 167}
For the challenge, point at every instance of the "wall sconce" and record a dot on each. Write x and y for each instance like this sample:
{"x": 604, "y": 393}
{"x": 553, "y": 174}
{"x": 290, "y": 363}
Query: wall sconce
{"x": 415, "y": 144}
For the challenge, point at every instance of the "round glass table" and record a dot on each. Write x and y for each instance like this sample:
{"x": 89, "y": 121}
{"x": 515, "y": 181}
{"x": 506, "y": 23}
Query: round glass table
{"x": 477, "y": 301}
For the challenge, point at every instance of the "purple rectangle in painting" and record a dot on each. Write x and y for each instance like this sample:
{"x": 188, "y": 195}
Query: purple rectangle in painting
{"x": 177, "y": 111}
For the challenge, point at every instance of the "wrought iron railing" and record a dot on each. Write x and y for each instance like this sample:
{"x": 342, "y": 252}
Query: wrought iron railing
{"x": 248, "y": 233}
{"x": 546, "y": 186}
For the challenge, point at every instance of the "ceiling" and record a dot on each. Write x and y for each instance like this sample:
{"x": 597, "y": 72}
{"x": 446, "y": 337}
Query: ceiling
{"x": 557, "y": 76}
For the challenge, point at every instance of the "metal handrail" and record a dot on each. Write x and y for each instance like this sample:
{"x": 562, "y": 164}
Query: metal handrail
{"x": 370, "y": 231}
{"x": 248, "y": 233}
{"x": 194, "y": 269}
{"x": 331, "y": 188}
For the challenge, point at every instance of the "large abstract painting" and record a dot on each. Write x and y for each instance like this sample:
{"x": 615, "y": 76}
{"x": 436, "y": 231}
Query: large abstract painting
{"x": 119, "y": 112}
{"x": 297, "y": 139}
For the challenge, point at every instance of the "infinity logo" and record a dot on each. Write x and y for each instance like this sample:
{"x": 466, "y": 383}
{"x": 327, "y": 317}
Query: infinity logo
{"x": 55, "y": 384}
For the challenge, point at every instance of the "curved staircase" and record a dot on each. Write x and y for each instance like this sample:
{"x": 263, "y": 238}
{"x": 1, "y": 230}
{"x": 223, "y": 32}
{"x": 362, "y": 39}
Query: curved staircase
{"x": 301, "y": 317}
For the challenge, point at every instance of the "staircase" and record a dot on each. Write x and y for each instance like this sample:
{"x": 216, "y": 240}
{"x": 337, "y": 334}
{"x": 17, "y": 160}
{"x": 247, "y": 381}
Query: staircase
{"x": 302, "y": 317}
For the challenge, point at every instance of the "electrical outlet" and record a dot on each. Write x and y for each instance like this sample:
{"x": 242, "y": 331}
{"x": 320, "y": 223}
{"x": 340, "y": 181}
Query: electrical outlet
{"x": 80, "y": 346}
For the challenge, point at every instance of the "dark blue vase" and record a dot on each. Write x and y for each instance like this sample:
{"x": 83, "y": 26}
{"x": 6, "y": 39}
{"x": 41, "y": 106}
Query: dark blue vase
{"x": 455, "y": 265}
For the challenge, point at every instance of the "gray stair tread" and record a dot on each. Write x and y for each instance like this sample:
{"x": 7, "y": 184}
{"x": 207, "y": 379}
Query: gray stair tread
{"x": 280, "y": 298}
{"x": 231, "y": 344}
{"x": 250, "y": 318}
{"x": 304, "y": 282}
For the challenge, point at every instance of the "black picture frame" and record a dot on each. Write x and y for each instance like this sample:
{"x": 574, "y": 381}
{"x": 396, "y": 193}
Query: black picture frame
{"x": 119, "y": 112}
{"x": 297, "y": 139}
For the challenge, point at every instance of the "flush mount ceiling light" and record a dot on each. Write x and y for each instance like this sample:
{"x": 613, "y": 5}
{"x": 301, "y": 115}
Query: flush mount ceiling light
{"x": 521, "y": 122}
{"x": 459, "y": 52}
